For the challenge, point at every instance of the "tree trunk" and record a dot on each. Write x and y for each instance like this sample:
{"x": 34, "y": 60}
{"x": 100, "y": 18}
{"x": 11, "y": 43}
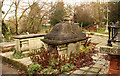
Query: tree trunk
{"x": 0, "y": 22}
{"x": 81, "y": 25}
{"x": 16, "y": 28}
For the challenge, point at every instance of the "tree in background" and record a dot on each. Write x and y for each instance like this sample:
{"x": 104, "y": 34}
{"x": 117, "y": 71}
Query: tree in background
{"x": 36, "y": 17}
{"x": 114, "y": 11}
{"x": 83, "y": 15}
{"x": 4, "y": 25}
{"x": 58, "y": 13}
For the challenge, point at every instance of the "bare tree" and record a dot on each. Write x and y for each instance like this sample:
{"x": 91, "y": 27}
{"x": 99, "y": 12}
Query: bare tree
{"x": 38, "y": 15}
{"x": 83, "y": 15}
{"x": 4, "y": 26}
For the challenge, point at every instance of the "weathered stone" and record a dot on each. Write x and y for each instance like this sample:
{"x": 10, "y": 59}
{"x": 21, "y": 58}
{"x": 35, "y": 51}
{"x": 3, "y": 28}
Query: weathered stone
{"x": 29, "y": 42}
{"x": 97, "y": 66}
{"x": 93, "y": 74}
{"x": 101, "y": 62}
{"x": 109, "y": 50}
{"x": 74, "y": 75}
{"x": 64, "y": 33}
{"x": 96, "y": 70}
{"x": 84, "y": 68}
{"x": 95, "y": 58}
{"x": 63, "y": 75}
{"x": 78, "y": 72}
{"x": 104, "y": 70}
{"x": 7, "y": 54}
{"x": 71, "y": 47}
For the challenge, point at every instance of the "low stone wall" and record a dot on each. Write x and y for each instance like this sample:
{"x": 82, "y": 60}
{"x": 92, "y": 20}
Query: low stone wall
{"x": 14, "y": 63}
{"x": 110, "y": 50}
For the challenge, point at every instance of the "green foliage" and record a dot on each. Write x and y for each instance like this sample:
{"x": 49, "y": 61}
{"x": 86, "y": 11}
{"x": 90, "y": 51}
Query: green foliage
{"x": 85, "y": 49}
{"x": 58, "y": 14}
{"x": 4, "y": 28}
{"x": 6, "y": 31}
{"x": 0, "y": 39}
{"x": 53, "y": 63}
{"x": 8, "y": 37}
{"x": 56, "y": 71}
{"x": 17, "y": 55}
{"x": 34, "y": 68}
{"x": 101, "y": 30}
{"x": 7, "y": 50}
{"x": 66, "y": 67}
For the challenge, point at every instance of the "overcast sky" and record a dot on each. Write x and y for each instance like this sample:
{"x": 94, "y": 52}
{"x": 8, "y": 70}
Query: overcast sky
{"x": 72, "y": 2}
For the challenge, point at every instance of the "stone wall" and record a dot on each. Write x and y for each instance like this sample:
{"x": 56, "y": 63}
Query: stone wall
{"x": 109, "y": 50}
{"x": 70, "y": 47}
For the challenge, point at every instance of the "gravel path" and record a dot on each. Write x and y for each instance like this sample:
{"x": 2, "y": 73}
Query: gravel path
{"x": 8, "y": 69}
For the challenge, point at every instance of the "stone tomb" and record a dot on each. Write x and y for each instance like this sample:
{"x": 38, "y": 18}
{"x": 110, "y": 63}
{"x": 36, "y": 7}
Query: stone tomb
{"x": 29, "y": 42}
{"x": 65, "y": 37}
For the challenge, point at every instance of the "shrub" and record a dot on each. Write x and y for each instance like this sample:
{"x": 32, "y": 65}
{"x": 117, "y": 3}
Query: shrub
{"x": 17, "y": 55}
{"x": 53, "y": 63}
{"x": 34, "y": 68}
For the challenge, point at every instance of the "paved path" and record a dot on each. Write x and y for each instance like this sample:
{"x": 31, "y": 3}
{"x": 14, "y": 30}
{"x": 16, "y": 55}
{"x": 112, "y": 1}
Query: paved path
{"x": 99, "y": 39}
{"x": 101, "y": 65}
{"x": 8, "y": 69}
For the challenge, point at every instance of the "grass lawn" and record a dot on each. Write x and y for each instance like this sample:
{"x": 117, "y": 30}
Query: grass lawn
{"x": 101, "y": 31}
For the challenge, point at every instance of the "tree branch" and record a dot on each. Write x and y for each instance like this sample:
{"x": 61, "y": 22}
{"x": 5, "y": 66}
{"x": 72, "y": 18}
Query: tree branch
{"x": 8, "y": 11}
{"x": 25, "y": 11}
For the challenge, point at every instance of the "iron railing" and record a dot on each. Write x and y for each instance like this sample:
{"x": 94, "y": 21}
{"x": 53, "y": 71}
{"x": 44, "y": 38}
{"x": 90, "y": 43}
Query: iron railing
{"x": 114, "y": 30}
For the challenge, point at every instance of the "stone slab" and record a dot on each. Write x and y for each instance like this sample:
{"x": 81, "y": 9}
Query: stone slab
{"x": 84, "y": 68}
{"x": 95, "y": 58}
{"x": 25, "y": 61}
{"x": 101, "y": 62}
{"x": 78, "y": 72}
{"x": 93, "y": 74}
{"x": 95, "y": 70}
{"x": 7, "y": 54}
{"x": 29, "y": 36}
{"x": 97, "y": 66}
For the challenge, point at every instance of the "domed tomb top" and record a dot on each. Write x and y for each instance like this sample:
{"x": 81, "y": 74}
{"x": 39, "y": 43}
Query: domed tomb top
{"x": 63, "y": 33}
